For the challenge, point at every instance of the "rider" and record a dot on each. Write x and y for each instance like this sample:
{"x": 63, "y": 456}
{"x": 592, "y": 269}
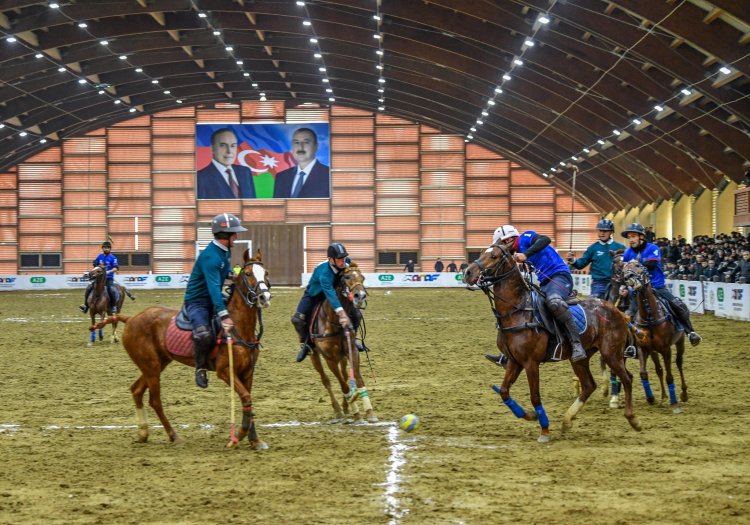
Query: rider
{"x": 598, "y": 255}
{"x": 203, "y": 296}
{"x": 322, "y": 286}
{"x": 649, "y": 256}
{"x": 109, "y": 261}
{"x": 554, "y": 279}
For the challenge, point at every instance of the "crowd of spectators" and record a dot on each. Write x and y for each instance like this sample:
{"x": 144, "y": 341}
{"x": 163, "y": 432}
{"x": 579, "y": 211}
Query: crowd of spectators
{"x": 725, "y": 258}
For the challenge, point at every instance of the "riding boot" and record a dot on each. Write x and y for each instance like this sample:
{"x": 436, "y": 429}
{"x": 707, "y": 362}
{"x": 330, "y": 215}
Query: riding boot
{"x": 84, "y": 308}
{"x": 682, "y": 311}
{"x": 577, "y": 353}
{"x": 201, "y": 364}
{"x": 300, "y": 325}
{"x": 499, "y": 360}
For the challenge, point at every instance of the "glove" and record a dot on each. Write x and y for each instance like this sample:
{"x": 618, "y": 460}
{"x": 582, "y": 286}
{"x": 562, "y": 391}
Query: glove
{"x": 344, "y": 319}
{"x": 571, "y": 257}
{"x": 227, "y": 324}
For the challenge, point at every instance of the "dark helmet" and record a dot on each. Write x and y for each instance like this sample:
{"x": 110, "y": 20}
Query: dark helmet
{"x": 634, "y": 228}
{"x": 226, "y": 222}
{"x": 107, "y": 244}
{"x": 605, "y": 225}
{"x": 337, "y": 251}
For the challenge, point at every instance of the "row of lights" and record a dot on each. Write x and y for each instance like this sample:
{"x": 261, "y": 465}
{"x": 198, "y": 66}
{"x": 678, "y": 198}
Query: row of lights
{"x": 318, "y": 55}
{"x": 380, "y": 54}
{"x": 542, "y": 19}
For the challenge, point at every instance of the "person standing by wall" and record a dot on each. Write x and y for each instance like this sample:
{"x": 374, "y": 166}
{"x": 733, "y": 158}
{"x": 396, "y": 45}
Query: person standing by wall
{"x": 439, "y": 265}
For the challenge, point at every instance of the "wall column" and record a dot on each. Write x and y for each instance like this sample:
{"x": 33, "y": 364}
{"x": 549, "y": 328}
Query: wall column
{"x": 703, "y": 214}
{"x": 663, "y": 219}
{"x": 681, "y": 218}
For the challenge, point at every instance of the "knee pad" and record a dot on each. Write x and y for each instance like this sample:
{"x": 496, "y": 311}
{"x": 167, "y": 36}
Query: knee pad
{"x": 557, "y": 305}
{"x": 203, "y": 337}
{"x": 299, "y": 320}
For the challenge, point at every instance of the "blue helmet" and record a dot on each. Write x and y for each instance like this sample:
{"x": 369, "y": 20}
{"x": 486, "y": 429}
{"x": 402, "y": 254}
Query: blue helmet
{"x": 226, "y": 223}
{"x": 634, "y": 228}
{"x": 337, "y": 251}
{"x": 605, "y": 225}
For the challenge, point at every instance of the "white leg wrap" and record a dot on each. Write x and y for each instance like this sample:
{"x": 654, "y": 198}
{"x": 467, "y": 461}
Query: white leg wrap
{"x": 366, "y": 404}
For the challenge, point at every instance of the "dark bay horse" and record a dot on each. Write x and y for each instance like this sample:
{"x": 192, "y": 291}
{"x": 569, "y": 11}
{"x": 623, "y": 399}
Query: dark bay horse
{"x": 336, "y": 345}
{"x": 525, "y": 342}
{"x": 655, "y": 333}
{"x": 148, "y": 339}
{"x": 98, "y": 303}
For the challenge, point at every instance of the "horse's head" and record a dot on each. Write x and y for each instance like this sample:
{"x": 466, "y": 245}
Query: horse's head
{"x": 353, "y": 286}
{"x": 95, "y": 272}
{"x": 617, "y": 264}
{"x": 492, "y": 265}
{"x": 252, "y": 282}
{"x": 635, "y": 275}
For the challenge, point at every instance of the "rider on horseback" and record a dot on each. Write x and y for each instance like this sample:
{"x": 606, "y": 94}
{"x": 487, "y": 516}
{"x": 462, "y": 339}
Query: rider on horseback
{"x": 649, "y": 256}
{"x": 109, "y": 261}
{"x": 554, "y": 279}
{"x": 203, "y": 296}
{"x": 321, "y": 287}
{"x": 598, "y": 255}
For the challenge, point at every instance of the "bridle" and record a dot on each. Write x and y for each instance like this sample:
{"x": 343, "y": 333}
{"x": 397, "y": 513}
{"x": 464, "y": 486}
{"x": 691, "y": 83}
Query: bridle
{"x": 350, "y": 293}
{"x": 253, "y": 293}
{"x": 491, "y": 274}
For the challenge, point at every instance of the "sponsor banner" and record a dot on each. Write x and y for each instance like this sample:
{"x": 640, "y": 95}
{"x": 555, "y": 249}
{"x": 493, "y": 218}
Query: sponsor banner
{"x": 62, "y": 282}
{"x": 709, "y": 295}
{"x": 407, "y": 280}
{"x": 732, "y": 300}
{"x": 582, "y": 283}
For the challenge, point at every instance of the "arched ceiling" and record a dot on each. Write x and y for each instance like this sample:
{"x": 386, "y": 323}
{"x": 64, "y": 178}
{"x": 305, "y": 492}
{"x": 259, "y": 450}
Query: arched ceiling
{"x": 560, "y": 86}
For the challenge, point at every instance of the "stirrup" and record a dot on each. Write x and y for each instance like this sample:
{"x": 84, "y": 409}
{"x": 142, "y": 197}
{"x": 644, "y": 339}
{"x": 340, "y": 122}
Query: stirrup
{"x": 694, "y": 338}
{"x": 84, "y": 308}
{"x": 630, "y": 352}
{"x": 577, "y": 356}
{"x": 499, "y": 360}
{"x": 304, "y": 351}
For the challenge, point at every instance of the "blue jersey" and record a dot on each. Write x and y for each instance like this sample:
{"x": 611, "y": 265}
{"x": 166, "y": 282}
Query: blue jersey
{"x": 650, "y": 252}
{"x": 547, "y": 262}
{"x": 109, "y": 262}
{"x": 207, "y": 277}
{"x": 322, "y": 281}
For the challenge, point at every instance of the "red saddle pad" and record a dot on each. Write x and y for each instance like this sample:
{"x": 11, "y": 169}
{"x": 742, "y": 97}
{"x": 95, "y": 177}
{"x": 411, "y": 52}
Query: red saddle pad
{"x": 180, "y": 342}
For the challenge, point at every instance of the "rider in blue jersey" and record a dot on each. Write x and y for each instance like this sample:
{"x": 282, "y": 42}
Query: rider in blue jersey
{"x": 321, "y": 287}
{"x": 109, "y": 261}
{"x": 599, "y": 257}
{"x": 203, "y": 295}
{"x": 649, "y": 255}
{"x": 554, "y": 278}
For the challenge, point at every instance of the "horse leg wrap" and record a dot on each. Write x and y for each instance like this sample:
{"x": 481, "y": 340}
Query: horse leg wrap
{"x": 647, "y": 388}
{"x": 614, "y": 385}
{"x": 247, "y": 416}
{"x": 672, "y": 393}
{"x": 365, "y": 398}
{"x": 541, "y": 415}
{"x": 515, "y": 407}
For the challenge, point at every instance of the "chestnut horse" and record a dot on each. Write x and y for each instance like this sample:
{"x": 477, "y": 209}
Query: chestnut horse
{"x": 336, "y": 345}
{"x": 98, "y": 303}
{"x": 525, "y": 342}
{"x": 655, "y": 332}
{"x": 145, "y": 340}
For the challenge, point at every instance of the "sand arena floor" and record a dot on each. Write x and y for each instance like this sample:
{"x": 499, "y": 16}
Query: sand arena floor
{"x": 69, "y": 456}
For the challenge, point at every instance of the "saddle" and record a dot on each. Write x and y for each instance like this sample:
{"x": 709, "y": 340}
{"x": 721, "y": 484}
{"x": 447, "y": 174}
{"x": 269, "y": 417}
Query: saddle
{"x": 545, "y": 318}
{"x": 182, "y": 321}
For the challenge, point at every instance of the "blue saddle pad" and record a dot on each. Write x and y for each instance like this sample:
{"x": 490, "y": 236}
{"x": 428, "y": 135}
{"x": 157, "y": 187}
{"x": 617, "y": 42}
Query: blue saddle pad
{"x": 577, "y": 310}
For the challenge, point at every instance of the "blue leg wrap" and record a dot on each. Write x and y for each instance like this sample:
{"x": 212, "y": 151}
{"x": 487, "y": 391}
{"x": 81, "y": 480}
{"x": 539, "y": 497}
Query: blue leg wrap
{"x": 614, "y": 385}
{"x": 672, "y": 394}
{"x": 541, "y": 415}
{"x": 515, "y": 407}
{"x": 647, "y": 388}
{"x": 93, "y": 335}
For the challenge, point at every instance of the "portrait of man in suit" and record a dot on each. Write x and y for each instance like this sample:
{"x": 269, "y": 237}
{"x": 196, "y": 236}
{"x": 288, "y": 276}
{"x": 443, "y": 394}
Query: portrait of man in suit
{"x": 222, "y": 178}
{"x": 310, "y": 178}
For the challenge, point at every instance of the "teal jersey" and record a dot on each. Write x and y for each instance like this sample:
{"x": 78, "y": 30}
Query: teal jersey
{"x": 207, "y": 277}
{"x": 598, "y": 256}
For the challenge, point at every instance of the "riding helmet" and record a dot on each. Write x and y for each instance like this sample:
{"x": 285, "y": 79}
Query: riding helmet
{"x": 504, "y": 232}
{"x": 605, "y": 225}
{"x": 634, "y": 228}
{"x": 337, "y": 251}
{"x": 226, "y": 222}
{"x": 107, "y": 244}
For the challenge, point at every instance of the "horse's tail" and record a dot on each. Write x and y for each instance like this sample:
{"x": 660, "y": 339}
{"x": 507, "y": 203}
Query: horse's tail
{"x": 109, "y": 320}
{"x": 123, "y": 318}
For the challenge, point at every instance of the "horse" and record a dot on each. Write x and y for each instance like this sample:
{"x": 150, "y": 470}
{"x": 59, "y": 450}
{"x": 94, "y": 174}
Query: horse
{"x": 655, "y": 333}
{"x": 331, "y": 342}
{"x": 152, "y": 344}
{"x": 98, "y": 303}
{"x": 525, "y": 342}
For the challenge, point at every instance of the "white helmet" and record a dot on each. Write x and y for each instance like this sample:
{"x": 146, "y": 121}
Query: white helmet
{"x": 504, "y": 232}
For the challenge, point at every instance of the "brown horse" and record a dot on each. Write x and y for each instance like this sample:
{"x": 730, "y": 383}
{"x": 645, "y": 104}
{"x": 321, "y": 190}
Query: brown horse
{"x": 525, "y": 343}
{"x": 146, "y": 340}
{"x": 655, "y": 333}
{"x": 336, "y": 345}
{"x": 98, "y": 303}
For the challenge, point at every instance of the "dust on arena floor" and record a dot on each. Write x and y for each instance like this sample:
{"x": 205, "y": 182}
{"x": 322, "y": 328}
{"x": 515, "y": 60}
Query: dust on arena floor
{"x": 69, "y": 452}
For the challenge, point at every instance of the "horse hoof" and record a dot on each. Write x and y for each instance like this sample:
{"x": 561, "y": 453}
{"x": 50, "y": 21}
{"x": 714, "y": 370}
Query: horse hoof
{"x": 614, "y": 402}
{"x": 567, "y": 424}
{"x": 650, "y": 400}
{"x": 634, "y": 423}
{"x": 684, "y": 397}
{"x": 142, "y": 439}
{"x": 89, "y": 344}
{"x": 372, "y": 419}
{"x": 259, "y": 445}
{"x": 676, "y": 409}
{"x": 543, "y": 438}
{"x": 232, "y": 443}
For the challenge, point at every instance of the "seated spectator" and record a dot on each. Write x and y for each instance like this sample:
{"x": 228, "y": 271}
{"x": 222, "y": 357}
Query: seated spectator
{"x": 743, "y": 268}
{"x": 710, "y": 270}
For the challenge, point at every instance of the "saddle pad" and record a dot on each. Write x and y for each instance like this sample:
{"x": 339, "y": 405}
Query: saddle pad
{"x": 180, "y": 342}
{"x": 577, "y": 310}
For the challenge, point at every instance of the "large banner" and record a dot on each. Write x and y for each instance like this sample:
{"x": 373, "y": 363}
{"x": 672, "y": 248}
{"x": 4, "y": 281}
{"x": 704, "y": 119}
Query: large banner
{"x": 732, "y": 300}
{"x": 407, "y": 280}
{"x": 64, "y": 282}
{"x": 691, "y": 293}
{"x": 263, "y": 161}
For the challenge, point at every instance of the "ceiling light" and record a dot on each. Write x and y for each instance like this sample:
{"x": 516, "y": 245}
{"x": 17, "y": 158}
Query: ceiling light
{"x": 104, "y": 42}
{"x": 39, "y": 55}
{"x": 616, "y": 132}
{"x": 543, "y": 19}
{"x": 586, "y": 150}
{"x": 217, "y": 32}
{"x": 132, "y": 110}
{"x": 318, "y": 55}
{"x": 326, "y": 80}
{"x": 574, "y": 157}
{"x": 240, "y": 62}
{"x": 480, "y": 121}
{"x": 491, "y": 102}
{"x": 329, "y": 90}
{"x": 659, "y": 108}
{"x": 229, "y": 49}
{"x": 313, "y": 40}
{"x": 469, "y": 136}
{"x": 139, "y": 70}
{"x": 518, "y": 62}
{"x": 43, "y": 141}
{"x": 376, "y": 17}
{"x": 154, "y": 81}
{"x": 54, "y": 5}
{"x": 82, "y": 25}
{"x": 381, "y": 100}
{"x": 528, "y": 43}
{"x": 472, "y": 129}
{"x": 600, "y": 141}
{"x": 545, "y": 175}
{"x": 376, "y": 36}
{"x": 498, "y": 90}
{"x": 306, "y": 23}
{"x": 379, "y": 52}
{"x": 202, "y": 15}
{"x": 61, "y": 69}
{"x": 178, "y": 101}
{"x": 246, "y": 74}
{"x": 254, "y": 84}
{"x": 118, "y": 101}
{"x": 331, "y": 99}
{"x": 686, "y": 92}
{"x": 23, "y": 134}
{"x": 262, "y": 94}
{"x": 322, "y": 69}
{"x": 381, "y": 108}
{"x": 725, "y": 70}
{"x": 301, "y": 3}
{"x": 263, "y": 99}
{"x": 378, "y": 66}
{"x": 562, "y": 163}
{"x": 637, "y": 121}
{"x": 381, "y": 80}
{"x": 506, "y": 76}
{"x": 123, "y": 57}
{"x": 101, "y": 91}
{"x": 81, "y": 80}
{"x": 485, "y": 114}
{"x": 167, "y": 92}
{"x": 2, "y": 125}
